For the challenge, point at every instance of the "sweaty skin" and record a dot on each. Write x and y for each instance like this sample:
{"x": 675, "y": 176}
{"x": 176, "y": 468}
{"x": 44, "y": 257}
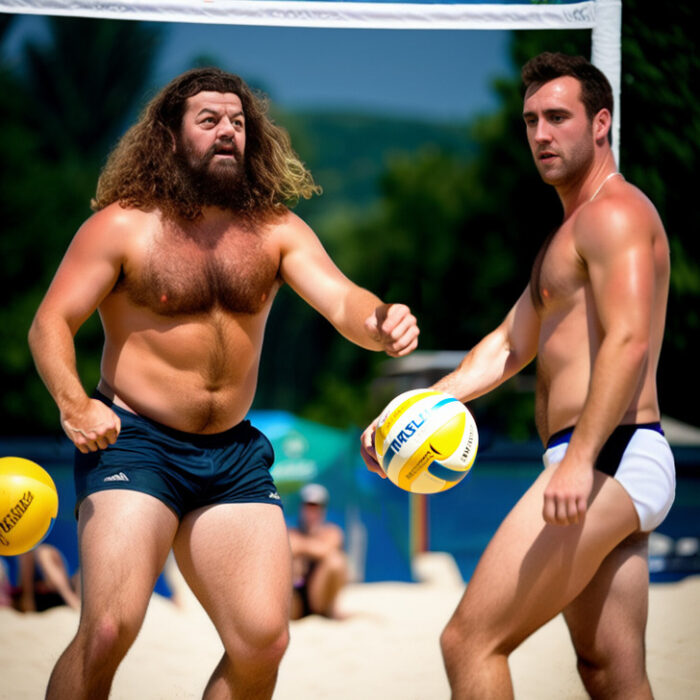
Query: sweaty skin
{"x": 594, "y": 311}
{"x": 184, "y": 304}
{"x": 593, "y": 315}
{"x": 587, "y": 298}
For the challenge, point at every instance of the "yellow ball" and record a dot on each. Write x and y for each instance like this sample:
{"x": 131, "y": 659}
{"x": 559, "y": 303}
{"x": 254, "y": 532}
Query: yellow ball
{"x": 426, "y": 441}
{"x": 28, "y": 505}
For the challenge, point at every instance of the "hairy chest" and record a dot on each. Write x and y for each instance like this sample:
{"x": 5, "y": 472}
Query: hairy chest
{"x": 175, "y": 276}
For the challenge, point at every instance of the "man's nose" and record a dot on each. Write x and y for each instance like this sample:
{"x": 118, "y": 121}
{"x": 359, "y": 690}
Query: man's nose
{"x": 542, "y": 132}
{"x": 226, "y": 127}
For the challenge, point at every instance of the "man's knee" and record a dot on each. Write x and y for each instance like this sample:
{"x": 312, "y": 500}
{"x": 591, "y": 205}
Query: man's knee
{"x": 456, "y": 643}
{"x": 336, "y": 564}
{"x": 106, "y": 640}
{"x": 450, "y": 642}
{"x": 262, "y": 648}
{"x": 273, "y": 646}
{"x": 469, "y": 641}
{"x": 475, "y": 666}
{"x": 613, "y": 673}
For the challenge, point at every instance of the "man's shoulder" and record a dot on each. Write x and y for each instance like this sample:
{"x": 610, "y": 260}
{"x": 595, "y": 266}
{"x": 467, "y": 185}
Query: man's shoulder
{"x": 284, "y": 220}
{"x": 331, "y": 528}
{"x": 116, "y": 214}
{"x": 623, "y": 214}
{"x": 116, "y": 220}
{"x": 289, "y": 230}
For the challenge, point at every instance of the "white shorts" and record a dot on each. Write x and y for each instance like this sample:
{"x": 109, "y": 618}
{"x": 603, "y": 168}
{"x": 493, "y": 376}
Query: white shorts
{"x": 639, "y": 458}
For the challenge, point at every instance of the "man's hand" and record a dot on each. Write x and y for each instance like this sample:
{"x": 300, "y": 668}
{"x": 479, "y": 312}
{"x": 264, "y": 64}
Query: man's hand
{"x": 566, "y": 496}
{"x": 93, "y": 427}
{"x": 395, "y": 328}
{"x": 369, "y": 454}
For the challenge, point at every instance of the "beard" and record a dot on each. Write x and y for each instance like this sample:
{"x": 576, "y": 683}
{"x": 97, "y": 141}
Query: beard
{"x": 211, "y": 182}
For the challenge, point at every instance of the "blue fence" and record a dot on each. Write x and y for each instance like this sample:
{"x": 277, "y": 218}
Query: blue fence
{"x": 460, "y": 521}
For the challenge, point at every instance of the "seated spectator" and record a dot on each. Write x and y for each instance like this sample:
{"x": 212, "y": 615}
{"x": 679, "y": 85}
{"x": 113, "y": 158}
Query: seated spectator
{"x": 319, "y": 564}
{"x": 5, "y": 585}
{"x": 43, "y": 581}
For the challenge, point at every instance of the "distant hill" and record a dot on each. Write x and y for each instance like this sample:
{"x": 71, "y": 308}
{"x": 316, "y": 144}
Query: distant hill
{"x": 348, "y": 153}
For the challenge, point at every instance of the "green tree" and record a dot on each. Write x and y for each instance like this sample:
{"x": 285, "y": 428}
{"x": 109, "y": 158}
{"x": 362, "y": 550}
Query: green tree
{"x": 86, "y": 81}
{"x": 51, "y": 158}
{"x": 455, "y": 236}
{"x": 659, "y": 147}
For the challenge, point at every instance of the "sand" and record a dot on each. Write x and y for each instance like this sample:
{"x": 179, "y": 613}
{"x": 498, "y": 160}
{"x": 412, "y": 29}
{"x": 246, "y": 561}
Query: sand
{"x": 386, "y": 648}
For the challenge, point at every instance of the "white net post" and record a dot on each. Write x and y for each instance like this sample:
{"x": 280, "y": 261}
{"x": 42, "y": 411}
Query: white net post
{"x": 606, "y": 54}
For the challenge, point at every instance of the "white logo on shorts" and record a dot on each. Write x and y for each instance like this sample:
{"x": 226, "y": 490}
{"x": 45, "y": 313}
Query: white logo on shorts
{"x": 117, "y": 477}
{"x": 275, "y": 495}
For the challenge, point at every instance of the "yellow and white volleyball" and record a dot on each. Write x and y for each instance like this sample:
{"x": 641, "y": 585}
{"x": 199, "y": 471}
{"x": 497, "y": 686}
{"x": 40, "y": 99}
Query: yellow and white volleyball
{"x": 426, "y": 441}
{"x": 28, "y": 505}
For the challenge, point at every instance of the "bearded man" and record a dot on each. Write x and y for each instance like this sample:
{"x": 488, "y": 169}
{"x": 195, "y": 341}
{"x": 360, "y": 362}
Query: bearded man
{"x": 190, "y": 242}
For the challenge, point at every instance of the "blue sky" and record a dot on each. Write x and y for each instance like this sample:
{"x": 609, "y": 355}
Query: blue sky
{"x": 433, "y": 74}
{"x": 438, "y": 74}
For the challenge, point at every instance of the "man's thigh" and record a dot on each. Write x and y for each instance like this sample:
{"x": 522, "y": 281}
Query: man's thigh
{"x": 531, "y": 570}
{"x": 608, "y": 618}
{"x": 236, "y": 559}
{"x": 124, "y": 538}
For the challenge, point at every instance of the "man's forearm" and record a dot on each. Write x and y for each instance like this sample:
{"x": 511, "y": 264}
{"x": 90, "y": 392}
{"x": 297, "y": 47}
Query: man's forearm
{"x": 490, "y": 363}
{"x": 53, "y": 350}
{"x": 350, "y": 321}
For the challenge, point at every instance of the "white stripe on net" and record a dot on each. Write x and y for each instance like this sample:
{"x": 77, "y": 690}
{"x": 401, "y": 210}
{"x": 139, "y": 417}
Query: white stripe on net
{"x": 300, "y": 13}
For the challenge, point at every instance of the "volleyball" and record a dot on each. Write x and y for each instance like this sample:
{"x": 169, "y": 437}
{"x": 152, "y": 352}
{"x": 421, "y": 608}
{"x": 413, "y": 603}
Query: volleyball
{"x": 426, "y": 441}
{"x": 28, "y": 505}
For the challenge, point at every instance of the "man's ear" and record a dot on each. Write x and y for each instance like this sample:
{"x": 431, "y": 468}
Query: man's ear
{"x": 602, "y": 123}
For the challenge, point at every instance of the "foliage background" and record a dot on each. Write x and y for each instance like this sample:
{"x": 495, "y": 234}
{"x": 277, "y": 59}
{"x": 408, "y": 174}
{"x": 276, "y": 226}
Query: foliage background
{"x": 448, "y": 222}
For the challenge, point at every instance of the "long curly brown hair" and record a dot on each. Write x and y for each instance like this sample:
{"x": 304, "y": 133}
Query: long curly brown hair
{"x": 143, "y": 172}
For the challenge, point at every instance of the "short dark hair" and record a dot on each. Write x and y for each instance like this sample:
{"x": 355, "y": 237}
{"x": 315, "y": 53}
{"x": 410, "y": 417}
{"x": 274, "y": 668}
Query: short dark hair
{"x": 596, "y": 93}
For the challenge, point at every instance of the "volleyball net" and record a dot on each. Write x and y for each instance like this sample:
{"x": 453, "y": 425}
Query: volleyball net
{"x": 602, "y": 17}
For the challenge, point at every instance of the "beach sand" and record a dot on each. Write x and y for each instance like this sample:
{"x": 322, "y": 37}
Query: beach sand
{"x": 386, "y": 648}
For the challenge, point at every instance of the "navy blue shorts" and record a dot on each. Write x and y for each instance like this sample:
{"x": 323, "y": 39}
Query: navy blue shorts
{"x": 185, "y": 471}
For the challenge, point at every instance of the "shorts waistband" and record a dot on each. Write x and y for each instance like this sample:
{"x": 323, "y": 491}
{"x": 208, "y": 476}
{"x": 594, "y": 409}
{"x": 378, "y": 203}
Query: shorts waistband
{"x": 562, "y": 436}
{"x": 198, "y": 439}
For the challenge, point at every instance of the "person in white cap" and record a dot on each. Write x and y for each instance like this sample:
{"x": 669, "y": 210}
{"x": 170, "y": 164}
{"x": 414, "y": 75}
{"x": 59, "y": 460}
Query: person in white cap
{"x": 319, "y": 564}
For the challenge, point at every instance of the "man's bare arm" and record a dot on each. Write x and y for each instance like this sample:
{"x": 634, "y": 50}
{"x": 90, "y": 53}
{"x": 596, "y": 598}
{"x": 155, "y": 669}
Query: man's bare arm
{"x": 496, "y": 358}
{"x": 317, "y": 545}
{"x": 355, "y": 312}
{"x": 614, "y": 240}
{"x": 88, "y": 271}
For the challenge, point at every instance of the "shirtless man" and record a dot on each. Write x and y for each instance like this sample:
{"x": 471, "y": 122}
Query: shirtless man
{"x": 189, "y": 245}
{"x": 593, "y": 314}
{"x": 319, "y": 564}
